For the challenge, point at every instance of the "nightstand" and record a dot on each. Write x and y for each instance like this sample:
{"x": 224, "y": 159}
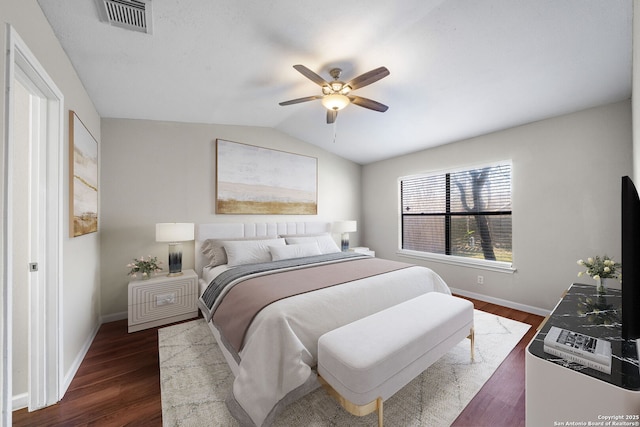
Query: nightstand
{"x": 363, "y": 250}
{"x": 162, "y": 299}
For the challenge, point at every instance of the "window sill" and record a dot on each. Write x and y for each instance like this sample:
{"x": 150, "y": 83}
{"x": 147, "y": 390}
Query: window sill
{"x": 498, "y": 266}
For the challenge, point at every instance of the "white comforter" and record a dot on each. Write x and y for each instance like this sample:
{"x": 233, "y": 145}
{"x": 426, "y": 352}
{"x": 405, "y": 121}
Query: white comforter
{"x": 280, "y": 350}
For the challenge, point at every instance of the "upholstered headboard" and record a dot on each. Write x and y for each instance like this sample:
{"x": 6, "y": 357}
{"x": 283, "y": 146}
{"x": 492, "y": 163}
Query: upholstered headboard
{"x": 235, "y": 230}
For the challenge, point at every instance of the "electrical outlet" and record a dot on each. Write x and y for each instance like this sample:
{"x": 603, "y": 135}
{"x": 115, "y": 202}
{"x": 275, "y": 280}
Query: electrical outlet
{"x": 480, "y": 280}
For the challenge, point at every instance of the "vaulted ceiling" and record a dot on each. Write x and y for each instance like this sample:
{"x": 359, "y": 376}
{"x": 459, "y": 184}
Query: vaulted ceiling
{"x": 458, "y": 68}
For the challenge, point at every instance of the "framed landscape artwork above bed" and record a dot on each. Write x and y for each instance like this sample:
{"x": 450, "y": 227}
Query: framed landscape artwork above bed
{"x": 257, "y": 180}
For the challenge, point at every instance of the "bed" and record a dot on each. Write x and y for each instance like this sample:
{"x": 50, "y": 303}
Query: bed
{"x": 269, "y": 340}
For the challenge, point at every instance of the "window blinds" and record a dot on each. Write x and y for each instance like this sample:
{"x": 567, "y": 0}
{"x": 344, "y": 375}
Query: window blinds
{"x": 462, "y": 213}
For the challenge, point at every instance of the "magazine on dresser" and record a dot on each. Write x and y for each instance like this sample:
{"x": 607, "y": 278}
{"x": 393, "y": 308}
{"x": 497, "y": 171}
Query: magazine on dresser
{"x": 594, "y": 353}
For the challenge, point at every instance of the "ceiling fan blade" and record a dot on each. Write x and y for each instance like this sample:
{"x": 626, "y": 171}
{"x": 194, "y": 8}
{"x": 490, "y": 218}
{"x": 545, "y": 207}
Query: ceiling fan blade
{"x": 310, "y": 75}
{"x": 368, "y": 103}
{"x": 331, "y": 116}
{"x": 299, "y": 100}
{"x": 368, "y": 78}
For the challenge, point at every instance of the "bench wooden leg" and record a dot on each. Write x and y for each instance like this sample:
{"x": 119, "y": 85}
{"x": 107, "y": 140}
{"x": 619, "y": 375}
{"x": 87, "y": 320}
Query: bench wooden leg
{"x": 352, "y": 408}
{"x": 472, "y": 337}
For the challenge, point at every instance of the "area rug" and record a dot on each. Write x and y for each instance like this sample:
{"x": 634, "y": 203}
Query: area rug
{"x": 195, "y": 381}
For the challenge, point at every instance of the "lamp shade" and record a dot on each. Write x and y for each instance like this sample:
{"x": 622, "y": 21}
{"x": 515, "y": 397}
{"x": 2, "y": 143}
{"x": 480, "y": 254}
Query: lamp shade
{"x": 335, "y": 101}
{"x": 174, "y": 232}
{"x": 344, "y": 226}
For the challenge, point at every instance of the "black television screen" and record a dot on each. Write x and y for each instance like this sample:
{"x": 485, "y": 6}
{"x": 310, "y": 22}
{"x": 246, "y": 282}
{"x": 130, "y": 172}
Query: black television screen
{"x": 630, "y": 262}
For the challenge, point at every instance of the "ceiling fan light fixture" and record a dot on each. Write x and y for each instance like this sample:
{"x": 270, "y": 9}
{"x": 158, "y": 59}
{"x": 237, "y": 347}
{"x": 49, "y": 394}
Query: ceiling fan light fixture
{"x": 336, "y": 86}
{"x": 335, "y": 101}
{"x": 334, "y": 94}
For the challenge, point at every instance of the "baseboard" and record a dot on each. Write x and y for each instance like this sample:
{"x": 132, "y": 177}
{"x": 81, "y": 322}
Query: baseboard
{"x": 113, "y": 317}
{"x": 502, "y": 302}
{"x": 20, "y": 401}
{"x": 71, "y": 373}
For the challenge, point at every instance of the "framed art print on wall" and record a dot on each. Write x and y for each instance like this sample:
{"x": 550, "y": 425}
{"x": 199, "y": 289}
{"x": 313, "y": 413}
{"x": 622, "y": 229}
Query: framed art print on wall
{"x": 257, "y": 180}
{"x": 83, "y": 182}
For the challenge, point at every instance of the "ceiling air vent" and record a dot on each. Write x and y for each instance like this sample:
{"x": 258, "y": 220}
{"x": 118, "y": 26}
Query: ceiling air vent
{"x": 130, "y": 14}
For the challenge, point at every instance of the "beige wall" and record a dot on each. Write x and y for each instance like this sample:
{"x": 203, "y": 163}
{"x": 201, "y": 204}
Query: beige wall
{"x": 81, "y": 285}
{"x": 165, "y": 172}
{"x": 566, "y": 199}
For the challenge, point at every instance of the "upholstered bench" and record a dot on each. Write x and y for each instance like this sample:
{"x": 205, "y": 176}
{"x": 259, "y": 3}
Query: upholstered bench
{"x": 366, "y": 362}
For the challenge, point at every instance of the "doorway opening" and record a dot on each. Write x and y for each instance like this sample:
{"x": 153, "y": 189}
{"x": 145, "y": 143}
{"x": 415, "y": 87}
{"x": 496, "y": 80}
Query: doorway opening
{"x": 32, "y": 241}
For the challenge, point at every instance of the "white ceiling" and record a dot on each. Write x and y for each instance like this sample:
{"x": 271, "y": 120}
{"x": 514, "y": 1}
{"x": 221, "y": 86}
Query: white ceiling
{"x": 458, "y": 68}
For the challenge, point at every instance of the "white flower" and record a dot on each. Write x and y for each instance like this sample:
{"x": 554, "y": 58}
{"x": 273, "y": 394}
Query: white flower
{"x": 580, "y": 274}
{"x": 601, "y": 267}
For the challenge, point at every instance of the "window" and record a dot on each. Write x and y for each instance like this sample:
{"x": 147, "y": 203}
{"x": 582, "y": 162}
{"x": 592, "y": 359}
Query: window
{"x": 463, "y": 213}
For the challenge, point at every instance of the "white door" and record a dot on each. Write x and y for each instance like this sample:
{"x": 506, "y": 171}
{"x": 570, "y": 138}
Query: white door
{"x": 20, "y": 248}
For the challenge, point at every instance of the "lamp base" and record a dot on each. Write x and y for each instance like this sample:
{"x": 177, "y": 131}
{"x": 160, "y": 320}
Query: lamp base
{"x": 345, "y": 242}
{"x": 175, "y": 259}
{"x": 179, "y": 273}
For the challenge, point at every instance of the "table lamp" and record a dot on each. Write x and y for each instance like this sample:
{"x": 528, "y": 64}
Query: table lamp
{"x": 344, "y": 228}
{"x": 174, "y": 233}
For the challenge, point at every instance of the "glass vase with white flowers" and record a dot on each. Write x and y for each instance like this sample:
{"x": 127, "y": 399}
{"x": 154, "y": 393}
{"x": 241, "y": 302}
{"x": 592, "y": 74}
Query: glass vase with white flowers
{"x": 601, "y": 268}
{"x": 144, "y": 266}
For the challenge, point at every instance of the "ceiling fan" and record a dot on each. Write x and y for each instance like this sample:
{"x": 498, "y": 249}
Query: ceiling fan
{"x": 336, "y": 94}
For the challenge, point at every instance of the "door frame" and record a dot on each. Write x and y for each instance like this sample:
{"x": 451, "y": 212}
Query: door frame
{"x": 45, "y": 302}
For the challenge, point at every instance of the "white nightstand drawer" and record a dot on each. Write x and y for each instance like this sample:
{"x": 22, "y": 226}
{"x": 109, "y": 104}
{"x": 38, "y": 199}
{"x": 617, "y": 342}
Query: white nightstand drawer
{"x": 162, "y": 300}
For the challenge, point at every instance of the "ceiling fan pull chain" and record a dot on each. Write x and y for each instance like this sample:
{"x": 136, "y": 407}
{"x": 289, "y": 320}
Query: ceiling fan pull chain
{"x": 335, "y": 130}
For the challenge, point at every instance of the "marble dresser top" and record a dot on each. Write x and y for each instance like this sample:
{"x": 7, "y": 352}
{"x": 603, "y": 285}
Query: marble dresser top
{"x": 583, "y": 311}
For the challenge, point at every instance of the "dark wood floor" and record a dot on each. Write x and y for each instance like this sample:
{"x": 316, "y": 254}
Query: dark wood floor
{"x": 118, "y": 383}
{"x": 500, "y": 402}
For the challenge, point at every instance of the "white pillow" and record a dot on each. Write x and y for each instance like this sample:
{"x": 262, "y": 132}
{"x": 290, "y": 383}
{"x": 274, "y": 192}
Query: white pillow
{"x": 294, "y": 251}
{"x": 213, "y": 249}
{"x": 325, "y": 242}
{"x": 249, "y": 251}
